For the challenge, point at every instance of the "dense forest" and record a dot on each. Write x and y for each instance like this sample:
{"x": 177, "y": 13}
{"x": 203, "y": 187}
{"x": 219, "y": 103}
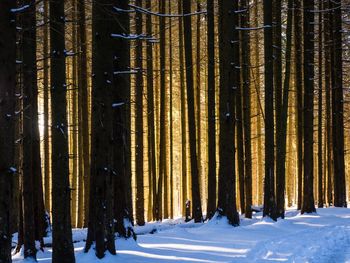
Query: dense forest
{"x": 116, "y": 112}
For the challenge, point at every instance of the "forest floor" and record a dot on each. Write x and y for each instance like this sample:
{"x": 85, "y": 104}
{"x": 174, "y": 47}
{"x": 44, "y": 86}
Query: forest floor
{"x": 320, "y": 237}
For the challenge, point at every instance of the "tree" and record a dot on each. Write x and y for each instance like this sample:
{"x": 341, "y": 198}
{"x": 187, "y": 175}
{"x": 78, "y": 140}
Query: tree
{"x": 281, "y": 137}
{"x": 246, "y": 108}
{"x": 32, "y": 195}
{"x": 196, "y": 202}
{"x": 308, "y": 205}
{"x": 121, "y": 124}
{"x": 338, "y": 106}
{"x": 269, "y": 184}
{"x": 211, "y": 207}
{"x": 299, "y": 93}
{"x": 7, "y": 108}
{"x": 62, "y": 232}
{"x": 140, "y": 199}
{"x": 320, "y": 103}
{"x": 101, "y": 225}
{"x": 229, "y": 82}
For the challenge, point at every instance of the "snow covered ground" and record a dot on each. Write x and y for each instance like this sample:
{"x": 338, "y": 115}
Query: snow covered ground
{"x": 322, "y": 237}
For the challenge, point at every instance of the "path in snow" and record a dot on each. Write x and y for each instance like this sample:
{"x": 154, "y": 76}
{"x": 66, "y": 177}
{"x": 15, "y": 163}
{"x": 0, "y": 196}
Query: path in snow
{"x": 323, "y": 238}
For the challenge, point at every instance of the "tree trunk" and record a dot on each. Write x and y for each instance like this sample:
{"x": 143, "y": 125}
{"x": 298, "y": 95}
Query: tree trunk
{"x": 196, "y": 202}
{"x": 338, "y": 107}
{"x": 152, "y": 170}
{"x": 211, "y": 207}
{"x": 320, "y": 90}
{"x": 121, "y": 125}
{"x": 229, "y": 83}
{"x": 183, "y": 114}
{"x": 299, "y": 91}
{"x": 281, "y": 136}
{"x": 7, "y": 108}
{"x": 269, "y": 184}
{"x": 246, "y": 109}
{"x": 140, "y": 199}
{"x": 308, "y": 205}
{"x": 101, "y": 226}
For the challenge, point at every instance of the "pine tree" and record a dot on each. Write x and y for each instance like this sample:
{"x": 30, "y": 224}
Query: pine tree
{"x": 269, "y": 184}
{"x": 196, "y": 202}
{"x": 211, "y": 207}
{"x": 62, "y": 232}
{"x": 308, "y": 205}
{"x": 229, "y": 82}
{"x": 7, "y": 109}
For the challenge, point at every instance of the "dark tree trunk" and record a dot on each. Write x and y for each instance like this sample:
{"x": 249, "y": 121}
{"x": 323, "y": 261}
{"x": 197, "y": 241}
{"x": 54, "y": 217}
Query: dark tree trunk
{"x": 211, "y": 207}
{"x": 196, "y": 200}
{"x": 308, "y": 205}
{"x": 245, "y": 35}
{"x": 7, "y": 108}
{"x": 152, "y": 170}
{"x": 28, "y": 23}
{"x": 269, "y": 184}
{"x": 229, "y": 83}
{"x": 298, "y": 29}
{"x": 281, "y": 137}
{"x": 338, "y": 107}
{"x": 121, "y": 126}
{"x": 140, "y": 199}
{"x": 320, "y": 108}
{"x": 162, "y": 180}
{"x": 46, "y": 91}
{"x": 327, "y": 40}
{"x": 101, "y": 226}
{"x": 62, "y": 232}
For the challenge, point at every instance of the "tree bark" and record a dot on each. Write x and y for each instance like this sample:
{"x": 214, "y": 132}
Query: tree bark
{"x": 229, "y": 83}
{"x": 7, "y": 108}
{"x": 269, "y": 184}
{"x": 211, "y": 207}
{"x": 196, "y": 202}
{"x": 308, "y": 205}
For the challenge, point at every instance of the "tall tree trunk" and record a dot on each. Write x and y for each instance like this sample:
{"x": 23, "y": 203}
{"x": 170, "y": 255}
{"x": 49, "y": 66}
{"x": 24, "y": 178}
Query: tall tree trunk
{"x": 308, "y": 205}
{"x": 7, "y": 108}
{"x": 338, "y": 107}
{"x": 299, "y": 100}
{"x": 229, "y": 83}
{"x": 162, "y": 180}
{"x": 101, "y": 226}
{"x": 269, "y": 184}
{"x": 123, "y": 212}
{"x": 140, "y": 199}
{"x": 246, "y": 109}
{"x": 183, "y": 115}
{"x": 327, "y": 39}
{"x": 62, "y": 232}
{"x": 29, "y": 87}
{"x": 320, "y": 90}
{"x": 152, "y": 170}
{"x": 84, "y": 102}
{"x": 211, "y": 207}
{"x": 281, "y": 137}
{"x": 47, "y": 167}
{"x": 171, "y": 132}
{"x": 196, "y": 202}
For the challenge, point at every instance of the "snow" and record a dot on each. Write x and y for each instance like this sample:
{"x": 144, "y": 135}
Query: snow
{"x": 320, "y": 237}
